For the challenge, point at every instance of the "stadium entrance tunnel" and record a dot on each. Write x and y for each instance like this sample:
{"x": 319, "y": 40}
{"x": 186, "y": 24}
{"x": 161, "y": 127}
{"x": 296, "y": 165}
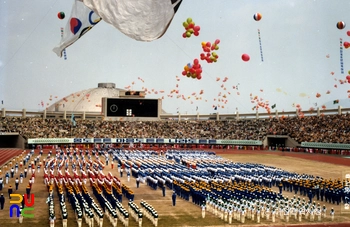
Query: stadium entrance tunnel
{"x": 277, "y": 141}
{"x": 12, "y": 140}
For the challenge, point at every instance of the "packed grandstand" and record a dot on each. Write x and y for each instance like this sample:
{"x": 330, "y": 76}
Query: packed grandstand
{"x": 220, "y": 190}
{"x": 333, "y": 128}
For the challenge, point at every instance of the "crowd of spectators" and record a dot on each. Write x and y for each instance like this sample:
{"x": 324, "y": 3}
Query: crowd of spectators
{"x": 327, "y": 128}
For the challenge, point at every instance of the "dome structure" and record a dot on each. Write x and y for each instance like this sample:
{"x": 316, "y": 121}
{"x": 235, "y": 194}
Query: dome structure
{"x": 89, "y": 100}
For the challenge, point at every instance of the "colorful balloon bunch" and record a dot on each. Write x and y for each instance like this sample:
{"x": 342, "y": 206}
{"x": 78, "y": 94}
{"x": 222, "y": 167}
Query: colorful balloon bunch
{"x": 191, "y": 28}
{"x": 209, "y": 54}
{"x": 193, "y": 70}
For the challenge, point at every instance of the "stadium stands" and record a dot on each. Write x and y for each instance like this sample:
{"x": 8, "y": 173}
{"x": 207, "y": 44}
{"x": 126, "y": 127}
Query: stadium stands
{"x": 324, "y": 128}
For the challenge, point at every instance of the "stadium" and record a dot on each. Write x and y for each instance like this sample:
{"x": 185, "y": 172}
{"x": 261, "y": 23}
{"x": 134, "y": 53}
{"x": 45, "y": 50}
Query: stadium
{"x": 105, "y": 168}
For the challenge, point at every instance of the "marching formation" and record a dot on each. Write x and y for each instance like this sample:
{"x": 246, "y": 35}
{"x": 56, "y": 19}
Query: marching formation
{"x": 234, "y": 192}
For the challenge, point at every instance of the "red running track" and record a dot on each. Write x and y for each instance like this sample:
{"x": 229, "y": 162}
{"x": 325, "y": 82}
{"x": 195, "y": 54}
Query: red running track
{"x": 7, "y": 154}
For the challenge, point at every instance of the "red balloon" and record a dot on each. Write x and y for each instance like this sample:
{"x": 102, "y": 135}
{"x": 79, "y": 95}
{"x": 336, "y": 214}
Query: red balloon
{"x": 195, "y": 61}
{"x": 341, "y": 25}
{"x": 196, "y": 33}
{"x": 348, "y": 33}
{"x": 245, "y": 57}
{"x": 199, "y": 77}
{"x": 208, "y": 44}
{"x": 184, "y": 35}
{"x": 217, "y": 41}
{"x": 184, "y": 73}
{"x": 196, "y": 28}
{"x": 346, "y": 45}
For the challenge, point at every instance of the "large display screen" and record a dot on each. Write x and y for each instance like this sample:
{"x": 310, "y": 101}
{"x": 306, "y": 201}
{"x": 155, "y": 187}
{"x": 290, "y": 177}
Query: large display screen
{"x": 116, "y": 107}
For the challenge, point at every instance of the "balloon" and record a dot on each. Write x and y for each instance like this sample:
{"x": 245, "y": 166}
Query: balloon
{"x": 194, "y": 70}
{"x": 341, "y": 25}
{"x": 257, "y": 16}
{"x": 191, "y": 25}
{"x": 153, "y": 18}
{"x": 61, "y": 15}
{"x": 208, "y": 55}
{"x": 346, "y": 45}
{"x": 245, "y": 57}
{"x": 348, "y": 33}
{"x": 191, "y": 28}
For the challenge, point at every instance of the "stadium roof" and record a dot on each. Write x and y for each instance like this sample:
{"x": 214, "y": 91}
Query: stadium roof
{"x": 88, "y": 100}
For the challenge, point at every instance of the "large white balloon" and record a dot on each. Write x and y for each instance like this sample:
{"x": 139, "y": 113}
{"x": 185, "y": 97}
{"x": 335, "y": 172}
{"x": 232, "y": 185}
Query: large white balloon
{"x": 142, "y": 20}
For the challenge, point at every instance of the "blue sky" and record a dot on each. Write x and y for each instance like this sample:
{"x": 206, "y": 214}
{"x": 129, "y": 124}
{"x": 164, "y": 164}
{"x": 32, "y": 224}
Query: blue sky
{"x": 300, "y": 45}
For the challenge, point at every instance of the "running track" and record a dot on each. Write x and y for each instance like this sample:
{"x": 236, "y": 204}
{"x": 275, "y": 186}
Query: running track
{"x": 6, "y": 154}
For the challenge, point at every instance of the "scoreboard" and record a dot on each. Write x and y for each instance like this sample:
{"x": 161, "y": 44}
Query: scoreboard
{"x": 131, "y": 107}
